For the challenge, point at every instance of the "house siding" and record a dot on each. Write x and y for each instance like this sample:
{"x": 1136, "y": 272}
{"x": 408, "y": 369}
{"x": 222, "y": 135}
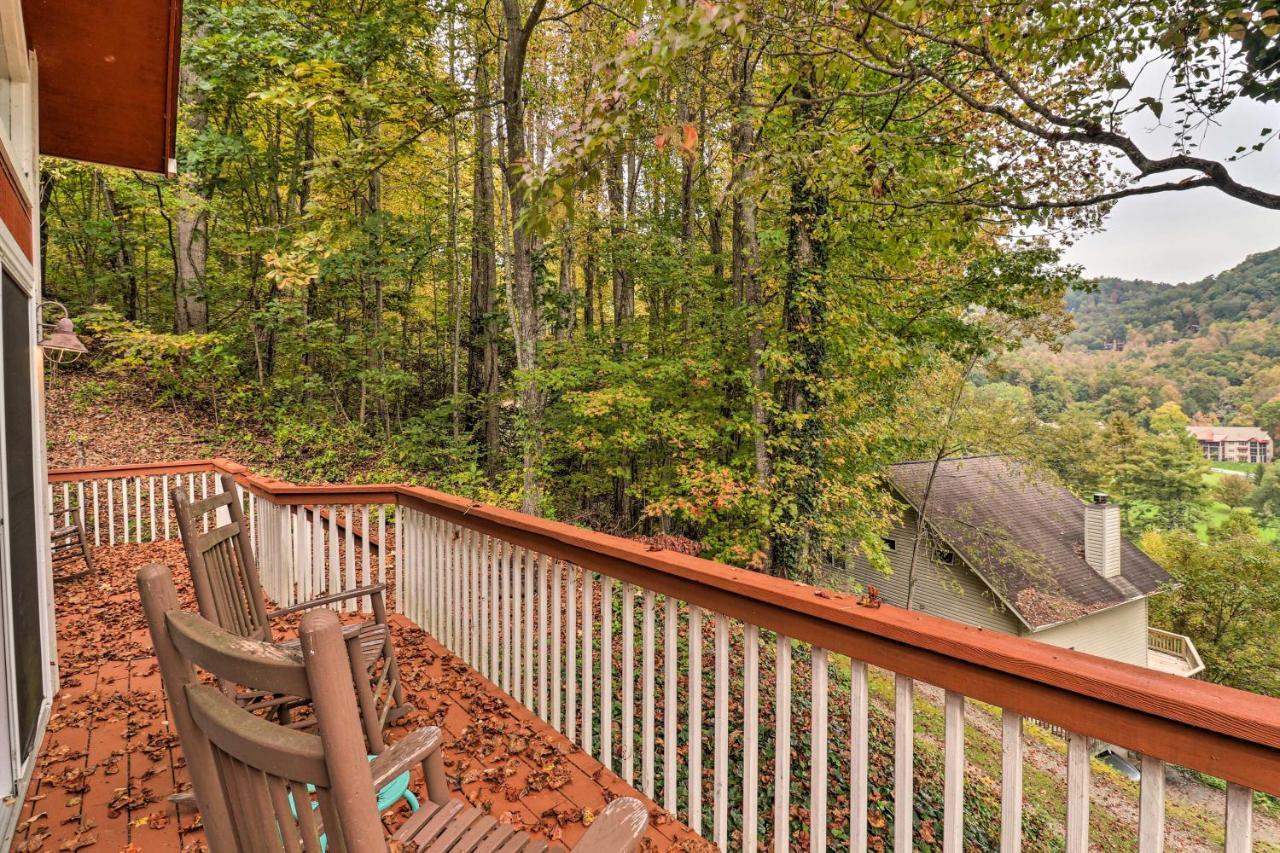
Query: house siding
{"x": 953, "y": 592}
{"x": 1119, "y": 633}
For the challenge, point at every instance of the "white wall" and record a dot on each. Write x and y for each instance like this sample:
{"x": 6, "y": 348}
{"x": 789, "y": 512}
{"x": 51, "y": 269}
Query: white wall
{"x": 1119, "y": 633}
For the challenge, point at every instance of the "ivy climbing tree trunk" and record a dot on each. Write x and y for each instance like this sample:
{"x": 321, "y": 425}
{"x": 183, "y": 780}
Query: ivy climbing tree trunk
{"x": 796, "y": 505}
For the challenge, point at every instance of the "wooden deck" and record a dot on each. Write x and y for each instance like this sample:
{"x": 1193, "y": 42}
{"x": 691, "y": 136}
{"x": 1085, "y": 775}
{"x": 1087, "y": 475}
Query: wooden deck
{"x": 110, "y": 758}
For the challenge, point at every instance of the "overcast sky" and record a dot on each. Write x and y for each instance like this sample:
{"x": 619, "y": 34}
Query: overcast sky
{"x": 1180, "y": 237}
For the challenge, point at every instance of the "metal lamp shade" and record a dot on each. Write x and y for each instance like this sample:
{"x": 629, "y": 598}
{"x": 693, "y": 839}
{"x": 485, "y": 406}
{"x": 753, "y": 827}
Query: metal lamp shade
{"x": 63, "y": 338}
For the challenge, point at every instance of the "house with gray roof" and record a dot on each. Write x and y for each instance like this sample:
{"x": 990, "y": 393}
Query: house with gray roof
{"x": 1004, "y": 547}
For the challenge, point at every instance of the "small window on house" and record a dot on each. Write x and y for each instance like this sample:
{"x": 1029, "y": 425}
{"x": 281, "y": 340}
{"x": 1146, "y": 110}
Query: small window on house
{"x": 889, "y": 544}
{"x": 944, "y": 556}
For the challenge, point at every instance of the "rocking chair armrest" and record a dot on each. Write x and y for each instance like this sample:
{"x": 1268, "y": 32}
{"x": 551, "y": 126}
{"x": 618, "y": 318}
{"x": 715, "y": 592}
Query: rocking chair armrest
{"x": 411, "y": 750}
{"x": 618, "y": 829}
{"x": 373, "y": 590}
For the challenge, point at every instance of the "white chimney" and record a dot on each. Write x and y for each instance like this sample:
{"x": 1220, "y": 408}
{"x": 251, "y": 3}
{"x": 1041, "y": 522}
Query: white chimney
{"x": 1102, "y": 536}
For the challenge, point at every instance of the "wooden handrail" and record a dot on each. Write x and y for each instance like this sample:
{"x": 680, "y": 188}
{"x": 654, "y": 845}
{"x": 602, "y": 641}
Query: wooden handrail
{"x": 1228, "y": 733}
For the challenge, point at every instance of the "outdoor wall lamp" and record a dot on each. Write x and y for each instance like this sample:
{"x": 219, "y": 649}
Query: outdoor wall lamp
{"x": 58, "y": 339}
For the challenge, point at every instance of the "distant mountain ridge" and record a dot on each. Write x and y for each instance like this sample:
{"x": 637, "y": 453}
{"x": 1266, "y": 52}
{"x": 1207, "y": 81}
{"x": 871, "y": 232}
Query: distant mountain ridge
{"x": 1248, "y": 291}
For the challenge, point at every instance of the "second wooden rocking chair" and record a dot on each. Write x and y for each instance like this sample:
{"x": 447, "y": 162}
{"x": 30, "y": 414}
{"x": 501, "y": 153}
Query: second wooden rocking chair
{"x": 229, "y": 593}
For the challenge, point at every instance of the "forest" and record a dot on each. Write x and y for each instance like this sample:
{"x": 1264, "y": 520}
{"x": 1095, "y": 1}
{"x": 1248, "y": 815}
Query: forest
{"x": 692, "y": 268}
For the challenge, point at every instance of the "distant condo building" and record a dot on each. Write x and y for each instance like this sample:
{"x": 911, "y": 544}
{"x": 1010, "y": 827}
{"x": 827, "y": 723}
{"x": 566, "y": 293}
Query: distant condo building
{"x": 1233, "y": 444}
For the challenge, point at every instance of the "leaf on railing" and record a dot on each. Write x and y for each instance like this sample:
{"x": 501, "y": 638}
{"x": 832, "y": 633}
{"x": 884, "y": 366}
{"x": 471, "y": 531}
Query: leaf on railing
{"x": 870, "y": 598}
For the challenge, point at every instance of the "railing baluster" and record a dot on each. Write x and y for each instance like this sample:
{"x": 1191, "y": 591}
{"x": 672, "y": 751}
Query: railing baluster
{"x": 571, "y": 652}
{"x": 382, "y": 546}
{"x": 1011, "y": 783}
{"x": 782, "y": 747}
{"x": 628, "y": 683}
{"x": 66, "y": 503}
{"x": 1239, "y": 821}
{"x": 953, "y": 774}
{"x": 476, "y": 621}
{"x": 1077, "y": 793}
{"x": 526, "y": 560}
{"x": 151, "y": 503}
{"x": 204, "y": 493}
{"x": 556, "y": 681}
{"x": 695, "y": 719}
{"x": 720, "y": 763}
{"x": 751, "y": 737}
{"x": 84, "y": 527}
{"x": 818, "y": 757}
{"x": 365, "y": 568}
{"x": 493, "y": 561}
{"x": 606, "y": 672}
{"x": 481, "y": 568}
{"x": 544, "y": 709}
{"x": 349, "y": 535}
{"x": 319, "y": 579}
{"x": 588, "y": 642}
{"x": 507, "y": 591}
{"x": 137, "y": 509}
{"x": 124, "y": 510}
{"x": 903, "y": 761}
{"x": 302, "y": 549}
{"x": 398, "y": 566}
{"x": 111, "y": 513}
{"x": 97, "y": 525}
{"x": 649, "y": 747}
{"x": 670, "y": 711}
{"x": 859, "y": 754}
{"x": 334, "y": 552}
{"x": 1151, "y": 805}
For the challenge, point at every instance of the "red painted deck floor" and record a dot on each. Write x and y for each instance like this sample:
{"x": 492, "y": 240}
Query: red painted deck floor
{"x": 110, "y": 759}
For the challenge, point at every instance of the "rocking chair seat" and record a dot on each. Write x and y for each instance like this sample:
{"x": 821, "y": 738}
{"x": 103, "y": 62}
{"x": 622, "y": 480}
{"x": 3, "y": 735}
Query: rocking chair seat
{"x": 373, "y": 638}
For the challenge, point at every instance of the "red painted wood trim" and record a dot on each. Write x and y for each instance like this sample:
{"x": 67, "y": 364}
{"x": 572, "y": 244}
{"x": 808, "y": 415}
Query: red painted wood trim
{"x": 15, "y": 207}
{"x": 1218, "y": 730}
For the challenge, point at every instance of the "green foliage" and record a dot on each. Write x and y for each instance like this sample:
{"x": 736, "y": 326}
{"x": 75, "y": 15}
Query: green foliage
{"x": 190, "y": 367}
{"x": 1228, "y": 602}
{"x": 1233, "y": 491}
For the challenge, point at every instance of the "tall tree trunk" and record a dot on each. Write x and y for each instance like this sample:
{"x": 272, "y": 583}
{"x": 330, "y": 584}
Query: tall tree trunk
{"x": 121, "y": 260}
{"x": 624, "y": 298}
{"x": 588, "y": 285}
{"x": 519, "y": 29}
{"x": 191, "y": 245}
{"x": 744, "y": 264}
{"x": 482, "y": 337}
{"x": 567, "y": 302}
{"x": 804, "y": 329}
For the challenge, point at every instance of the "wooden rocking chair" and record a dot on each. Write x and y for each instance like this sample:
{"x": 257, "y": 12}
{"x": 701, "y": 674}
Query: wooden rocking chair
{"x": 262, "y": 786}
{"x": 67, "y": 544}
{"x": 229, "y": 593}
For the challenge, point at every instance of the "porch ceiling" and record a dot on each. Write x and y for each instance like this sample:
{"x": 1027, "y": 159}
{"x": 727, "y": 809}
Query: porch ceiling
{"x": 108, "y": 79}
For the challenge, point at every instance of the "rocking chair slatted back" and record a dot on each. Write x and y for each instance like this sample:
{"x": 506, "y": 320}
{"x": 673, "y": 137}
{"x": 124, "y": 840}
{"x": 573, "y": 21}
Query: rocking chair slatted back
{"x": 264, "y": 770}
{"x": 223, "y": 569}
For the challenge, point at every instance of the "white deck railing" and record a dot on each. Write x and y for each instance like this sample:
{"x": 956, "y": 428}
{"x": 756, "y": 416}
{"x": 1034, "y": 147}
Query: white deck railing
{"x": 756, "y": 710}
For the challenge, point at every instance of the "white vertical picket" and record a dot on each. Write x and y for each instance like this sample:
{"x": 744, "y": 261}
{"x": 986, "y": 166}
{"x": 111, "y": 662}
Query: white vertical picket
{"x": 694, "y": 819}
{"x": 111, "y": 513}
{"x": 720, "y": 762}
{"x": 953, "y": 773}
{"x": 588, "y": 676}
{"x": 670, "y": 682}
{"x": 1011, "y": 783}
{"x": 648, "y": 745}
{"x": 493, "y": 568}
{"x": 151, "y": 503}
{"x": 1077, "y": 793}
{"x": 365, "y": 568}
{"x": 903, "y": 761}
{"x": 530, "y": 572}
{"x": 818, "y": 756}
{"x": 1239, "y": 820}
{"x": 751, "y": 737}
{"x": 137, "y": 509}
{"x": 628, "y": 683}
{"x": 571, "y": 652}
{"x": 606, "y": 672}
{"x": 859, "y": 754}
{"x": 97, "y": 518}
{"x": 1151, "y": 806}
{"x": 508, "y": 646}
{"x": 557, "y": 682}
{"x": 544, "y": 708}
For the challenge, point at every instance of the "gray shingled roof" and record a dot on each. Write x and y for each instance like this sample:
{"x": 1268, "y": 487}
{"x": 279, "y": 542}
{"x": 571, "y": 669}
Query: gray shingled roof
{"x": 1024, "y": 536}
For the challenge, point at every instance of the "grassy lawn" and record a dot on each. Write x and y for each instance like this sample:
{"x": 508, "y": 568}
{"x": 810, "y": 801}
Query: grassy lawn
{"x": 1242, "y": 467}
